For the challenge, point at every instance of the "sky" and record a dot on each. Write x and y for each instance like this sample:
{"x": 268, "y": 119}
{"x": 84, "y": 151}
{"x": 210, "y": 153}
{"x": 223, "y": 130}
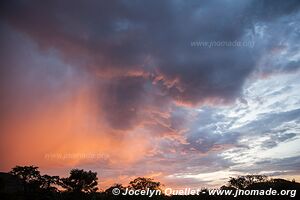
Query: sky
{"x": 186, "y": 92}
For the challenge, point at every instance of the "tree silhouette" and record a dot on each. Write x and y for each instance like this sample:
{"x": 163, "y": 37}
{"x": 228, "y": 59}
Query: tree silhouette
{"x": 26, "y": 173}
{"x": 47, "y": 182}
{"x": 29, "y": 176}
{"x": 80, "y": 181}
{"x": 82, "y": 184}
{"x": 242, "y": 182}
{"x": 142, "y": 183}
{"x": 225, "y": 187}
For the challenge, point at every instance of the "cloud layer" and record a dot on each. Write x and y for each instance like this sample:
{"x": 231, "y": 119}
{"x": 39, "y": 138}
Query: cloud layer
{"x": 114, "y": 77}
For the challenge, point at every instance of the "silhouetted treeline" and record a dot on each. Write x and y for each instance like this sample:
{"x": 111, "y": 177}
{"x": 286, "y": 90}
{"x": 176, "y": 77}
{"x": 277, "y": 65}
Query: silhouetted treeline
{"x": 26, "y": 182}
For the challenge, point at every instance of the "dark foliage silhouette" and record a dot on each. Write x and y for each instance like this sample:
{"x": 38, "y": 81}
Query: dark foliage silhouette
{"x": 142, "y": 183}
{"x": 29, "y": 177}
{"x": 27, "y": 174}
{"x": 241, "y": 182}
{"x": 80, "y": 181}
{"x": 48, "y": 182}
{"x": 83, "y": 184}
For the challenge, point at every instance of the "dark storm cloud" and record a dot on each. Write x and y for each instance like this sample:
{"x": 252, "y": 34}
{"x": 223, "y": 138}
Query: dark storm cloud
{"x": 152, "y": 38}
{"x": 123, "y": 102}
{"x": 29, "y": 78}
{"x": 267, "y": 10}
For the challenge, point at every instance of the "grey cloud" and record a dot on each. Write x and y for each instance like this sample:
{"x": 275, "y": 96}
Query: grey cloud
{"x": 277, "y": 138}
{"x": 269, "y": 121}
{"x": 268, "y": 10}
{"x": 141, "y": 56}
{"x": 211, "y": 131}
{"x": 288, "y": 164}
{"x": 122, "y": 102}
{"x": 279, "y": 45}
{"x": 122, "y": 36}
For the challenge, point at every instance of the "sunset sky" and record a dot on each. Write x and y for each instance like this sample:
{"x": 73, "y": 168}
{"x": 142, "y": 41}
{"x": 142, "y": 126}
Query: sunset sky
{"x": 118, "y": 87}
